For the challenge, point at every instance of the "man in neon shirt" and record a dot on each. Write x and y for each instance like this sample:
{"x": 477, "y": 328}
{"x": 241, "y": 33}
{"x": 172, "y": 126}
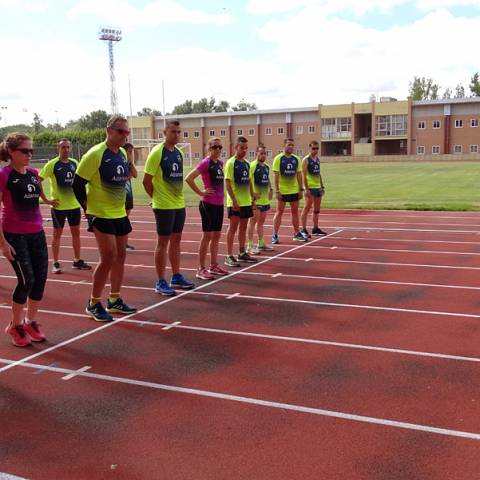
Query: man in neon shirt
{"x": 105, "y": 168}
{"x": 61, "y": 170}
{"x": 163, "y": 182}
{"x": 239, "y": 202}
{"x": 288, "y": 189}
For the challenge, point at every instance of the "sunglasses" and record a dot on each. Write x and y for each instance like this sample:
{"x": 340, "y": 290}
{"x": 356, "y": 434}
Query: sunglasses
{"x": 25, "y": 151}
{"x": 314, "y": 148}
{"x": 121, "y": 131}
{"x": 216, "y": 147}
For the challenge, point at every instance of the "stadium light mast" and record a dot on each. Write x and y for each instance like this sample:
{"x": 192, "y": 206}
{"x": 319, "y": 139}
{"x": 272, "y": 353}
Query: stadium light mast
{"x": 111, "y": 34}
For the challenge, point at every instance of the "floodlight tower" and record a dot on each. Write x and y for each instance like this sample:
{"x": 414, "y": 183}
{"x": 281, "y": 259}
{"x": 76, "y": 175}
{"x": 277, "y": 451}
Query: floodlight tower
{"x": 111, "y": 34}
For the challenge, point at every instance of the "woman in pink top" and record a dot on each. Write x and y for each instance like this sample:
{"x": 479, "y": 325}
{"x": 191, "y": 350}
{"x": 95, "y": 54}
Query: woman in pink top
{"x": 211, "y": 208}
{"x": 22, "y": 239}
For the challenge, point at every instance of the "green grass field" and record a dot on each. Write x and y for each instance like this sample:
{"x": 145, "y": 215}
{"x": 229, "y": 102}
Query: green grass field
{"x": 404, "y": 186}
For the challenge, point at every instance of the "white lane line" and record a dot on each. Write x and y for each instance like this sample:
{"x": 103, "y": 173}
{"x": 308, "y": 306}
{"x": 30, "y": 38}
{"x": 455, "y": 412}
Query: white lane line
{"x": 45, "y": 368}
{"x": 233, "y": 295}
{"x": 276, "y": 275}
{"x": 344, "y": 305}
{"x": 308, "y": 259}
{"x": 76, "y": 373}
{"x": 327, "y": 343}
{"x": 152, "y": 307}
{"x": 405, "y": 240}
{"x": 384, "y": 422}
{"x": 169, "y": 326}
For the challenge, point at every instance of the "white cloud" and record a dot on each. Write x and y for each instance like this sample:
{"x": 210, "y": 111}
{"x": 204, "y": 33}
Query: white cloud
{"x": 123, "y": 14}
{"x": 435, "y": 4}
{"x": 25, "y": 5}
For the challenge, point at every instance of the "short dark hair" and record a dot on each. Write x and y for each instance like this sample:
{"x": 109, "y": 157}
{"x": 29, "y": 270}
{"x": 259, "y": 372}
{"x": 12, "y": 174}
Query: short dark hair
{"x": 288, "y": 140}
{"x": 259, "y": 146}
{"x": 313, "y": 143}
{"x": 172, "y": 123}
{"x": 241, "y": 139}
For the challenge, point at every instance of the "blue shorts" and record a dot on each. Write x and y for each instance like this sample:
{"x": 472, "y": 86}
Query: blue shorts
{"x": 263, "y": 208}
{"x": 317, "y": 192}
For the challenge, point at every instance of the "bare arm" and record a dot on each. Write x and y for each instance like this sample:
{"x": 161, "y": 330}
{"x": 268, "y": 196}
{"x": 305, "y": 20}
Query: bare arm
{"x": 276, "y": 180}
{"x": 148, "y": 184}
{"x": 5, "y": 247}
{"x": 190, "y": 180}
{"x": 304, "y": 176}
{"x": 54, "y": 203}
{"x": 300, "y": 184}
{"x": 228, "y": 185}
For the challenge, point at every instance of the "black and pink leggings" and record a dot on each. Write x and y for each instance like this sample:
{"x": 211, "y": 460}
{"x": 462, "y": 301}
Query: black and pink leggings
{"x": 30, "y": 265}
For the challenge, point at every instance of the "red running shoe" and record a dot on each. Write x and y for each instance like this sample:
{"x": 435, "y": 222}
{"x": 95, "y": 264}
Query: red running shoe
{"x": 19, "y": 336}
{"x": 33, "y": 330}
{"x": 218, "y": 270}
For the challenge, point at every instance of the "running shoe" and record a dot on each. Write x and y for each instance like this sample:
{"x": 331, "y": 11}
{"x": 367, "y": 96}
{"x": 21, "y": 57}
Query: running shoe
{"x": 164, "y": 288}
{"x": 33, "y": 330}
{"x": 231, "y": 261}
{"x": 265, "y": 248}
{"x": 298, "y": 237}
{"x": 245, "y": 257}
{"x": 305, "y": 233}
{"x": 19, "y": 336}
{"x": 119, "y": 306}
{"x": 98, "y": 313}
{"x": 275, "y": 239}
{"x": 218, "y": 270}
{"x": 81, "y": 265}
{"x": 253, "y": 250}
{"x": 179, "y": 281}
{"x": 56, "y": 268}
{"x": 130, "y": 247}
{"x": 204, "y": 274}
{"x": 318, "y": 232}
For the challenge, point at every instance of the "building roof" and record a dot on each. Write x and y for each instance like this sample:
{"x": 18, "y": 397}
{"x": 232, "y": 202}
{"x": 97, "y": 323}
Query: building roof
{"x": 447, "y": 101}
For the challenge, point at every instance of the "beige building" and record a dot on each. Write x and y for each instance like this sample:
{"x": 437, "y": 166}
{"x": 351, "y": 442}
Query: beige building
{"x": 359, "y": 130}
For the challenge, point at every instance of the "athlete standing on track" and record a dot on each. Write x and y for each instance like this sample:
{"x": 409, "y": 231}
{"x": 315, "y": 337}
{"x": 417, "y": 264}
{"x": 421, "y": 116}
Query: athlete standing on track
{"x": 314, "y": 190}
{"x": 163, "y": 182}
{"x": 260, "y": 179}
{"x": 22, "y": 239}
{"x": 211, "y": 208}
{"x": 105, "y": 168}
{"x": 61, "y": 170}
{"x": 288, "y": 189}
{"x": 240, "y": 197}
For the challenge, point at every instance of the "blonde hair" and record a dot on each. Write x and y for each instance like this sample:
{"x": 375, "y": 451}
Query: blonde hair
{"x": 12, "y": 142}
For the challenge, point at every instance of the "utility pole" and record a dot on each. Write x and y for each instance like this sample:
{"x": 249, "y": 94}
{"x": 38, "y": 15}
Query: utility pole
{"x": 110, "y": 35}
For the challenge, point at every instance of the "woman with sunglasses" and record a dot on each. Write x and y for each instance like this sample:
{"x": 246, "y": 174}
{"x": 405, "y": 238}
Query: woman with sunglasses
{"x": 211, "y": 208}
{"x": 314, "y": 190}
{"x": 22, "y": 239}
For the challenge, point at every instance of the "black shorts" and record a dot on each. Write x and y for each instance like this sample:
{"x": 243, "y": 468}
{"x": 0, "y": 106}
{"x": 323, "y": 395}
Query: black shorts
{"x": 244, "y": 212}
{"x": 169, "y": 221}
{"x": 317, "y": 192}
{"x": 111, "y": 226}
{"x": 289, "y": 198}
{"x": 73, "y": 216}
{"x": 212, "y": 217}
{"x": 263, "y": 208}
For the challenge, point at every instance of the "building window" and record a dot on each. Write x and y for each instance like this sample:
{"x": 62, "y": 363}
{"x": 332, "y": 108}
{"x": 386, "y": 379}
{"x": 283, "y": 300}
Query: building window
{"x": 280, "y": 131}
{"x": 474, "y": 122}
{"x": 457, "y": 149}
{"x": 299, "y": 130}
{"x": 436, "y": 124}
{"x": 279, "y": 151}
{"x": 421, "y": 150}
{"x": 436, "y": 149}
{"x": 224, "y": 154}
{"x": 458, "y": 123}
{"x": 196, "y": 133}
{"x": 187, "y": 156}
{"x": 185, "y": 134}
{"x": 196, "y": 155}
{"x": 311, "y": 129}
{"x": 223, "y": 133}
{"x": 269, "y": 154}
{"x": 268, "y": 131}
{"x": 160, "y": 135}
{"x": 251, "y": 154}
{"x": 251, "y": 132}
{"x": 391, "y": 125}
{"x": 337, "y": 127}
{"x": 299, "y": 152}
{"x": 240, "y": 131}
{"x": 421, "y": 125}
{"x": 211, "y": 133}
{"x": 473, "y": 148}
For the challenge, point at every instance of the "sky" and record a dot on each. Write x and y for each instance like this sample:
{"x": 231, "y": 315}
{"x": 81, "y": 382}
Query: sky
{"x": 275, "y": 53}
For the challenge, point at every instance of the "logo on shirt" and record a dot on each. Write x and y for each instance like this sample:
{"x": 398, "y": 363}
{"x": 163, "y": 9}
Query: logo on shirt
{"x": 244, "y": 173}
{"x": 175, "y": 167}
{"x": 69, "y": 175}
{"x": 120, "y": 170}
{"x": 289, "y": 166}
{"x": 32, "y": 192}
{"x": 30, "y": 188}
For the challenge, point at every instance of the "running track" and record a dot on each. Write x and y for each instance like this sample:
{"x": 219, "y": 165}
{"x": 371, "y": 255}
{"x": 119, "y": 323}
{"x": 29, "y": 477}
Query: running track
{"x": 355, "y": 356}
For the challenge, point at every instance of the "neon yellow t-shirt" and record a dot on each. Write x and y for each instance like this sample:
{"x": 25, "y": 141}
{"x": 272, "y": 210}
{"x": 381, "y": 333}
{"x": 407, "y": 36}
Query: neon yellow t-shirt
{"x": 107, "y": 173}
{"x": 166, "y": 168}
{"x": 238, "y": 172}
{"x": 259, "y": 174}
{"x": 287, "y": 168}
{"x": 313, "y": 172}
{"x": 61, "y": 180}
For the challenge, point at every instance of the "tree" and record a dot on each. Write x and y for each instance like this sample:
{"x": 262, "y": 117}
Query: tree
{"x": 37, "y": 123}
{"x": 422, "y": 88}
{"x": 204, "y": 105}
{"x": 183, "y": 109}
{"x": 244, "y": 106}
{"x": 459, "y": 91}
{"x": 93, "y": 120}
{"x": 475, "y": 85}
{"x": 447, "y": 93}
{"x": 222, "y": 106}
{"x": 147, "y": 112}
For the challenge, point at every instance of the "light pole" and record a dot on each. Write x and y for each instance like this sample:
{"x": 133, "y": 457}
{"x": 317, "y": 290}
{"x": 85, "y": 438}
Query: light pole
{"x": 111, "y": 34}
